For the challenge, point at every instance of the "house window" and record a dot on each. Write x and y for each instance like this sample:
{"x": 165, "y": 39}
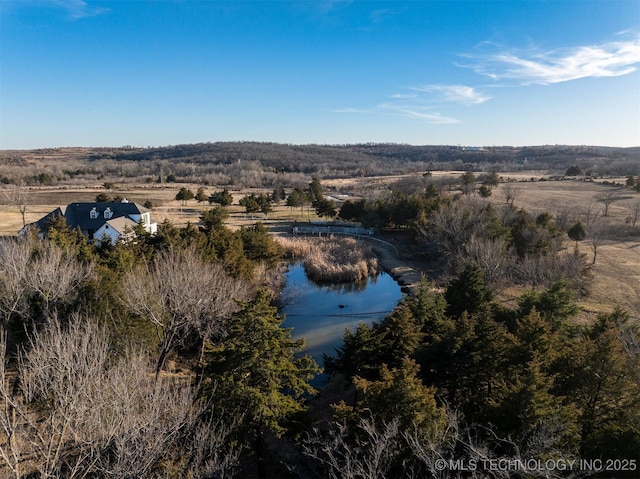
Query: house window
{"x": 93, "y": 214}
{"x": 108, "y": 213}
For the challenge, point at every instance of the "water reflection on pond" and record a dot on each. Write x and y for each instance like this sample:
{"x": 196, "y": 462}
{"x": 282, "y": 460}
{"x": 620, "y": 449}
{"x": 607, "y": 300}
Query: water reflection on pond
{"x": 320, "y": 313}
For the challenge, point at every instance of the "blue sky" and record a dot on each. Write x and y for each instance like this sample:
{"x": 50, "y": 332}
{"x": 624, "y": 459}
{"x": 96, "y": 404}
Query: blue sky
{"x": 114, "y": 73}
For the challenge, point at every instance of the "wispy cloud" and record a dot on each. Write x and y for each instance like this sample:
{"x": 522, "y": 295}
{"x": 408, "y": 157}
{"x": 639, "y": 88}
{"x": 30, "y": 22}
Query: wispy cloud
{"x": 382, "y": 14}
{"x": 409, "y": 106}
{"x": 455, "y": 93}
{"x": 610, "y": 59}
{"x": 420, "y": 102}
{"x": 417, "y": 111}
{"x": 78, "y": 9}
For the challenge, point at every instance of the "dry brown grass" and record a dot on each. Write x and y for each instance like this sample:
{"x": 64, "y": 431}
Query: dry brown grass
{"x": 332, "y": 260}
{"x": 44, "y": 199}
{"x": 616, "y": 274}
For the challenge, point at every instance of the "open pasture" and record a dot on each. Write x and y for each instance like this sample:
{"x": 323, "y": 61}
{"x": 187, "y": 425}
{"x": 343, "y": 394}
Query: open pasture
{"x": 616, "y": 273}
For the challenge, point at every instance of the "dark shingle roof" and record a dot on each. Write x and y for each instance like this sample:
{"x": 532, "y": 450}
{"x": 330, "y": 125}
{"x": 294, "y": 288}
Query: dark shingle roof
{"x": 78, "y": 215}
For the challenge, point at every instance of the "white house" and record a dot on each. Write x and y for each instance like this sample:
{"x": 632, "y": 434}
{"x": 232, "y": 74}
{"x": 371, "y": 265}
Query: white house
{"x": 97, "y": 221}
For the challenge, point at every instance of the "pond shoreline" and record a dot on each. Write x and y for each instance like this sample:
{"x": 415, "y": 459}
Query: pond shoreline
{"x": 406, "y": 276}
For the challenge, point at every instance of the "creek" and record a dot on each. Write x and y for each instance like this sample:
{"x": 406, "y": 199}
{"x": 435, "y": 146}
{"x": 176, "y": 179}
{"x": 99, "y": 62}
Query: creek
{"x": 320, "y": 313}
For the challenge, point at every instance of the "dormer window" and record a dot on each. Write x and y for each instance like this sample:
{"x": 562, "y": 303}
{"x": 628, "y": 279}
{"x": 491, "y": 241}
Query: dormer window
{"x": 93, "y": 214}
{"x": 108, "y": 213}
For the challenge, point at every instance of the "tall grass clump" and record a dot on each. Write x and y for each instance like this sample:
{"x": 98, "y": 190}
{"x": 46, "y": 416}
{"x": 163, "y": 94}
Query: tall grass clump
{"x": 332, "y": 259}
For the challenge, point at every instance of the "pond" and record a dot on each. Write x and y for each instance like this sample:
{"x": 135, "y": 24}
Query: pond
{"x": 320, "y": 313}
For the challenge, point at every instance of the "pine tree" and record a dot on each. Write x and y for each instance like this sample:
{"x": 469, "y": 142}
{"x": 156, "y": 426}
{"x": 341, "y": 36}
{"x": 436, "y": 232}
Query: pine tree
{"x": 256, "y": 371}
{"x": 557, "y": 304}
{"x": 399, "y": 394}
{"x": 467, "y": 292}
{"x": 398, "y": 336}
{"x": 606, "y": 390}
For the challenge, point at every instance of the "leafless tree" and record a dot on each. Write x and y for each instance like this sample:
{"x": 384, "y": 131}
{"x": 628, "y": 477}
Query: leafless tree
{"x": 17, "y": 196}
{"x": 564, "y": 217}
{"x": 589, "y": 215}
{"x": 635, "y": 213}
{"x": 370, "y": 456}
{"x": 42, "y": 272}
{"x": 44, "y": 421}
{"x": 492, "y": 256}
{"x": 15, "y": 255}
{"x": 458, "y": 445}
{"x": 75, "y": 412}
{"x": 597, "y": 234}
{"x": 607, "y": 198}
{"x": 182, "y": 296}
{"x": 54, "y": 276}
{"x": 511, "y": 193}
{"x": 451, "y": 227}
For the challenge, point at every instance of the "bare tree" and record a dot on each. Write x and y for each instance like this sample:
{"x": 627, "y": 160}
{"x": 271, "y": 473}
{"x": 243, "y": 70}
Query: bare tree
{"x": 182, "y": 296}
{"x": 54, "y": 276}
{"x": 368, "y": 458}
{"x": 590, "y": 215}
{"x": 607, "y": 198}
{"x": 44, "y": 420}
{"x": 15, "y": 255}
{"x": 511, "y": 193}
{"x": 492, "y": 256}
{"x": 635, "y": 213}
{"x": 456, "y": 446}
{"x": 76, "y": 413}
{"x": 597, "y": 234}
{"x": 17, "y": 196}
{"x": 450, "y": 228}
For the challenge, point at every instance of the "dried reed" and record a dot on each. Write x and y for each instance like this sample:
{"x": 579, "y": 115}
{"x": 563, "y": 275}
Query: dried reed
{"x": 332, "y": 259}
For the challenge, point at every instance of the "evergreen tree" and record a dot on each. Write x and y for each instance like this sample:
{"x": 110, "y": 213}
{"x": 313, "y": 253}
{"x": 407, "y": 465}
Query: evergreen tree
{"x": 265, "y": 204}
{"x": 352, "y": 211}
{"x": 607, "y": 390}
{"x": 184, "y": 195}
{"x": 577, "y": 232}
{"x": 400, "y": 395}
{"x": 258, "y": 245}
{"x": 256, "y": 371}
{"x": 223, "y": 198}
{"x": 315, "y": 190}
{"x": 556, "y": 304}
{"x": 201, "y": 196}
{"x": 213, "y": 218}
{"x": 250, "y": 203}
{"x": 295, "y": 199}
{"x": 398, "y": 336}
{"x": 468, "y": 182}
{"x": 428, "y": 308}
{"x": 278, "y": 194}
{"x": 357, "y": 354}
{"x": 325, "y": 208}
{"x": 467, "y": 292}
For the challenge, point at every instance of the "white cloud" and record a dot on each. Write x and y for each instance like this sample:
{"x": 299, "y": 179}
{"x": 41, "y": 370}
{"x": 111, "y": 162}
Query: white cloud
{"x": 382, "y": 14}
{"x": 353, "y": 110}
{"x": 421, "y": 113}
{"x": 456, "y": 93}
{"x": 403, "y": 108}
{"x": 78, "y": 9}
{"x": 419, "y": 102}
{"x": 546, "y": 67}
{"x": 404, "y": 96}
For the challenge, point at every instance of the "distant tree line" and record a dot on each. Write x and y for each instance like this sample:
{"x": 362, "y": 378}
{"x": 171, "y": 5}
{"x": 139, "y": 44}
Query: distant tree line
{"x": 254, "y": 164}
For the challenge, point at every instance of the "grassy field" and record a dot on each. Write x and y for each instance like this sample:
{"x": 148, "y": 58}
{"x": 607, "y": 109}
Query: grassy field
{"x": 616, "y": 272}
